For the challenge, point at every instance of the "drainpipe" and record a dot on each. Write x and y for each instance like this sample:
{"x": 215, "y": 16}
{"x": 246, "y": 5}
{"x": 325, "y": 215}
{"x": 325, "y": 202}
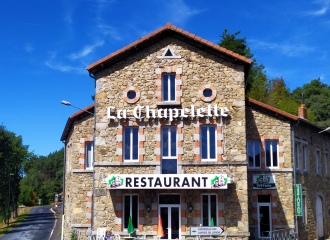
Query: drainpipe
{"x": 63, "y": 199}
{"x": 294, "y": 170}
{"x": 92, "y": 227}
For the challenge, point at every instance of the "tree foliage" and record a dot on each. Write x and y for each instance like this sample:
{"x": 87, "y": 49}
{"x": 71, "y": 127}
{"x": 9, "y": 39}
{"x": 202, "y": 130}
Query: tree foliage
{"x": 44, "y": 177}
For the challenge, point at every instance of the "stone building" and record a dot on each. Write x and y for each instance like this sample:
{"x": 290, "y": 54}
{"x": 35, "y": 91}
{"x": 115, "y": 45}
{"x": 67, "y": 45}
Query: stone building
{"x": 176, "y": 137}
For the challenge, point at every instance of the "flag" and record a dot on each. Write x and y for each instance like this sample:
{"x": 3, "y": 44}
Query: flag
{"x": 212, "y": 223}
{"x": 160, "y": 230}
{"x": 130, "y": 227}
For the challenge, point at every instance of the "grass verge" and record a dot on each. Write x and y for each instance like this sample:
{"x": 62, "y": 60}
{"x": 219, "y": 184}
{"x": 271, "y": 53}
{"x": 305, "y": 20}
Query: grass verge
{"x": 12, "y": 223}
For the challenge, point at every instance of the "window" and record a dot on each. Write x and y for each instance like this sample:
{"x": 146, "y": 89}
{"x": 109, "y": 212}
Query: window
{"x": 326, "y": 155}
{"x": 131, "y": 208}
{"x": 168, "y": 87}
{"x": 305, "y": 157}
{"x": 304, "y": 208}
{"x": 271, "y": 154}
{"x": 253, "y": 150}
{"x": 89, "y": 154}
{"x": 209, "y": 209}
{"x": 169, "y": 150}
{"x": 296, "y": 151}
{"x": 317, "y": 156}
{"x": 208, "y": 143}
{"x": 131, "y": 144}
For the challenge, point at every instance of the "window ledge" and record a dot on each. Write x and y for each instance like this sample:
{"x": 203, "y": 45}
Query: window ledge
{"x": 81, "y": 225}
{"x": 208, "y": 163}
{"x": 82, "y": 170}
{"x": 106, "y": 164}
{"x": 271, "y": 170}
{"x": 168, "y": 103}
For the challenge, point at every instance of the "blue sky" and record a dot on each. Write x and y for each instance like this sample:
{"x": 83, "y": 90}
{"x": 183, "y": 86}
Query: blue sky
{"x": 46, "y": 46}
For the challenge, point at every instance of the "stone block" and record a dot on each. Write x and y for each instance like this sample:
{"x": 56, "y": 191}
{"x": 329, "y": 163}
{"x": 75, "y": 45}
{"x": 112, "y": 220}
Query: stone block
{"x": 221, "y": 206}
{"x": 196, "y": 151}
{"x": 274, "y": 215}
{"x": 89, "y": 204}
{"x": 100, "y": 192}
{"x": 183, "y": 221}
{"x": 196, "y": 221}
{"x": 154, "y": 206}
{"x": 180, "y": 137}
{"x": 142, "y": 220}
{"x": 89, "y": 194}
{"x": 142, "y": 138}
{"x": 88, "y": 215}
{"x": 157, "y": 137}
{"x": 157, "y": 151}
{"x": 99, "y": 141}
{"x": 119, "y": 151}
{"x": 197, "y": 206}
{"x": 196, "y": 137}
{"x": 183, "y": 206}
{"x": 118, "y": 206}
{"x": 219, "y": 136}
{"x": 119, "y": 138}
{"x": 221, "y": 220}
{"x": 155, "y": 220}
{"x": 101, "y": 126}
{"x": 219, "y": 150}
{"x": 180, "y": 151}
{"x": 142, "y": 151}
{"x": 141, "y": 206}
{"x": 118, "y": 220}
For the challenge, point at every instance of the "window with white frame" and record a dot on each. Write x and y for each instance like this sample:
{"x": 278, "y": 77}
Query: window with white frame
{"x": 208, "y": 142}
{"x": 131, "y": 144}
{"x": 296, "y": 151}
{"x": 304, "y": 152}
{"x": 168, "y": 88}
{"x": 209, "y": 209}
{"x": 89, "y": 154}
{"x": 169, "y": 150}
{"x": 131, "y": 209}
{"x": 254, "y": 154}
{"x": 326, "y": 159}
{"x": 317, "y": 163}
{"x": 271, "y": 154}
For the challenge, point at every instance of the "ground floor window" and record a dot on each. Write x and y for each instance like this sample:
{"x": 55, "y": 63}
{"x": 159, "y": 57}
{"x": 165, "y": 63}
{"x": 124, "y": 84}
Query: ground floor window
{"x": 209, "y": 209}
{"x": 264, "y": 215}
{"x": 131, "y": 203}
{"x": 170, "y": 213}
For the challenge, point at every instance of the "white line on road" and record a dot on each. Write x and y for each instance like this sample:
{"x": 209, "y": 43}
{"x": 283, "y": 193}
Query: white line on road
{"x": 54, "y": 224}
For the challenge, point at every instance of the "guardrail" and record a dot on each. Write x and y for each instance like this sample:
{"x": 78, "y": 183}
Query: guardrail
{"x": 281, "y": 234}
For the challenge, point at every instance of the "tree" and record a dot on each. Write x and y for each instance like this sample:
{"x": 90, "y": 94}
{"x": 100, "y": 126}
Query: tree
{"x": 317, "y": 98}
{"x": 257, "y": 82}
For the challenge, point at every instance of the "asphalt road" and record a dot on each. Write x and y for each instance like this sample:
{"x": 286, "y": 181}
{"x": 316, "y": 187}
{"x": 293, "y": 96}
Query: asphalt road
{"x": 41, "y": 224}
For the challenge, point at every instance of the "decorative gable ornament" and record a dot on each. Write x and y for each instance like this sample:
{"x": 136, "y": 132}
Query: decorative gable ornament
{"x": 168, "y": 53}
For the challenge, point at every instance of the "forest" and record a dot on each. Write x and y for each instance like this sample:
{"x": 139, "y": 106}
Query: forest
{"x": 26, "y": 177}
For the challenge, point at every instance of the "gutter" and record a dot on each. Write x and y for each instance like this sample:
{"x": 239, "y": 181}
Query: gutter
{"x": 92, "y": 227}
{"x": 294, "y": 170}
{"x": 63, "y": 198}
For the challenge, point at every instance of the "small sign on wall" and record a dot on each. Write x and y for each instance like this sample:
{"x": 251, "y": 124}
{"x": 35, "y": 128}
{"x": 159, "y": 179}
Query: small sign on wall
{"x": 264, "y": 181}
{"x": 297, "y": 190}
{"x": 205, "y": 231}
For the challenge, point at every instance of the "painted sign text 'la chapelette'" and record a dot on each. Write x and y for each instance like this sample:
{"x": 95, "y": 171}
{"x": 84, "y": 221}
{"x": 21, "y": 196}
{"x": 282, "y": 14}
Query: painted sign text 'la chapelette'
{"x": 170, "y": 113}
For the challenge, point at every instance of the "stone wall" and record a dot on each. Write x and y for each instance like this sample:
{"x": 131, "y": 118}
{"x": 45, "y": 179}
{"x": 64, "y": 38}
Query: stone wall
{"x": 313, "y": 184}
{"x": 261, "y": 126}
{"x": 78, "y": 182}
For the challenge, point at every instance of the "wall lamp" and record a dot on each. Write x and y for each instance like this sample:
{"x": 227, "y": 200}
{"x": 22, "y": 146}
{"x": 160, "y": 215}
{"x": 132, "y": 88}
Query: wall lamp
{"x": 190, "y": 207}
{"x": 69, "y": 104}
{"x": 148, "y": 208}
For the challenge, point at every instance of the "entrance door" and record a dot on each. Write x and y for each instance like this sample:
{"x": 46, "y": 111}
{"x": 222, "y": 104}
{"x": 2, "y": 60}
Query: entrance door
{"x": 319, "y": 217}
{"x": 170, "y": 213}
{"x": 264, "y": 219}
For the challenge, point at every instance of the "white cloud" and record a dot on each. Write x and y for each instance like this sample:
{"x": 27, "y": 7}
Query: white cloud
{"x": 325, "y": 4}
{"x": 180, "y": 12}
{"x": 109, "y": 31}
{"x": 29, "y": 48}
{"x": 86, "y": 50}
{"x": 291, "y": 50}
{"x": 64, "y": 68}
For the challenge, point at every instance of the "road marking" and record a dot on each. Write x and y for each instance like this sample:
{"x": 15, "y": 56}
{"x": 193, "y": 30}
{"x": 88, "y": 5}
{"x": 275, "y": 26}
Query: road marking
{"x": 54, "y": 224}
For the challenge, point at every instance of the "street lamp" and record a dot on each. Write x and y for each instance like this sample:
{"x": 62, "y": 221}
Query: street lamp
{"x": 69, "y": 104}
{"x": 10, "y": 174}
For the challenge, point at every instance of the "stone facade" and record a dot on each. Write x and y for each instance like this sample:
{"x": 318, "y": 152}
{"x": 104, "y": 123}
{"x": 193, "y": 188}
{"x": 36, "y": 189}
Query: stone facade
{"x": 196, "y": 69}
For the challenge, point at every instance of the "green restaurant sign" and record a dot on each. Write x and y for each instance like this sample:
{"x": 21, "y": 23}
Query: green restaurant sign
{"x": 298, "y": 200}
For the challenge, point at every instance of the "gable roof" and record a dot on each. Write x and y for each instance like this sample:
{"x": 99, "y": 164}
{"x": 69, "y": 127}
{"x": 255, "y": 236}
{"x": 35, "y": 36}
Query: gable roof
{"x": 169, "y": 30}
{"x": 76, "y": 116}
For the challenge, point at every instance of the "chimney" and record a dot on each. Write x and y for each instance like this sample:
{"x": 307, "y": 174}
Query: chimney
{"x": 302, "y": 111}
